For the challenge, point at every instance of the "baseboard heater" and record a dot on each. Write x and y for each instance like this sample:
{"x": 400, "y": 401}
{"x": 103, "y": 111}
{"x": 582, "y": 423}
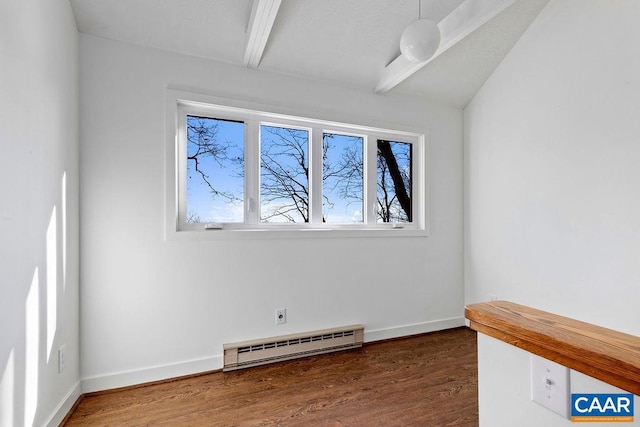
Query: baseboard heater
{"x": 269, "y": 350}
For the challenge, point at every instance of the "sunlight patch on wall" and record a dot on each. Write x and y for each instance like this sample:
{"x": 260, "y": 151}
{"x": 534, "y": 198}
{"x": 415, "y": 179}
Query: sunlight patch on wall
{"x": 52, "y": 281}
{"x": 7, "y": 384}
{"x": 64, "y": 231}
{"x": 32, "y": 328}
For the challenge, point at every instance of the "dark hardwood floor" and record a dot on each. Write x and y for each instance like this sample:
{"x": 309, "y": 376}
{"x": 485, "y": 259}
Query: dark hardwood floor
{"x": 426, "y": 380}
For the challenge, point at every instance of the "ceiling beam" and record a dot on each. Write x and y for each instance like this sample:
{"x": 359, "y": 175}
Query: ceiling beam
{"x": 263, "y": 15}
{"x": 461, "y": 22}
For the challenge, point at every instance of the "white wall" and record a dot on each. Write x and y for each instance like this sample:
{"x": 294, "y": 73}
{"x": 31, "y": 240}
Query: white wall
{"x": 505, "y": 389}
{"x": 153, "y": 308}
{"x": 38, "y": 211}
{"x": 552, "y": 181}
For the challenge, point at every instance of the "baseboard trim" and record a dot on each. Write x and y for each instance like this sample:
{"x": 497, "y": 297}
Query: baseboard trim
{"x": 164, "y": 372}
{"x": 149, "y": 375}
{"x": 65, "y": 407}
{"x": 413, "y": 329}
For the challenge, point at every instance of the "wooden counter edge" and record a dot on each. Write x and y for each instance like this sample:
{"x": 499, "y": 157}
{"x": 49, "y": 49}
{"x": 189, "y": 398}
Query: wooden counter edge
{"x": 607, "y": 355}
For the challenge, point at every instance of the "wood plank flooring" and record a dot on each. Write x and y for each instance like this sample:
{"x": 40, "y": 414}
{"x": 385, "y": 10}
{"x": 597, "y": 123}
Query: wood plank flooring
{"x": 426, "y": 380}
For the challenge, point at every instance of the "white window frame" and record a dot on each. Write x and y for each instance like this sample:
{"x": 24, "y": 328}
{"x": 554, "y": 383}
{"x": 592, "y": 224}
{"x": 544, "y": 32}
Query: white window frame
{"x": 180, "y": 104}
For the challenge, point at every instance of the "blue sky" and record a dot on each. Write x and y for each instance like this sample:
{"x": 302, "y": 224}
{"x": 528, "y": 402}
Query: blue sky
{"x": 226, "y": 175}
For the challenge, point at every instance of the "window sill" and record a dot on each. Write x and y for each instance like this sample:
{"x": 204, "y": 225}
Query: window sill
{"x": 282, "y": 233}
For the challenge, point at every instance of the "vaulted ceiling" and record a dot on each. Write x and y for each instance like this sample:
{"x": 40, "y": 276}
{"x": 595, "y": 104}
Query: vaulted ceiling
{"x": 344, "y": 41}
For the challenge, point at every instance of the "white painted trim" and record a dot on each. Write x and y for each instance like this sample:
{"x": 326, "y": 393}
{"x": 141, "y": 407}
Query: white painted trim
{"x": 191, "y": 367}
{"x": 150, "y": 374}
{"x": 467, "y": 18}
{"x": 263, "y": 15}
{"x": 179, "y": 102}
{"x": 413, "y": 329}
{"x": 464, "y": 20}
{"x": 65, "y": 406}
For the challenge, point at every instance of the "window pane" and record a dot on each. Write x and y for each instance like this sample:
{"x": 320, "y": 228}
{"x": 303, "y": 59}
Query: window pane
{"x": 284, "y": 174}
{"x": 394, "y": 181}
{"x": 215, "y": 170}
{"x": 342, "y": 179}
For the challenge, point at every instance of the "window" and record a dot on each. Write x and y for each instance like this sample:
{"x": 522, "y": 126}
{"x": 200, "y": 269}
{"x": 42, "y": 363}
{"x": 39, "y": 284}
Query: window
{"x": 342, "y": 179}
{"x": 284, "y": 174}
{"x": 215, "y": 170}
{"x": 394, "y": 181}
{"x": 241, "y": 169}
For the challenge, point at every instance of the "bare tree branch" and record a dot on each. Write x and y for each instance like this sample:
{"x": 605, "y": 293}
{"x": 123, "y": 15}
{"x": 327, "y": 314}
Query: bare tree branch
{"x": 203, "y": 143}
{"x": 400, "y": 182}
{"x": 285, "y": 174}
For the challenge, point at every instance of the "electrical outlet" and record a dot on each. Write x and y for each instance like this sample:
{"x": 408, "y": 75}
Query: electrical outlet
{"x": 281, "y": 316}
{"x": 61, "y": 359}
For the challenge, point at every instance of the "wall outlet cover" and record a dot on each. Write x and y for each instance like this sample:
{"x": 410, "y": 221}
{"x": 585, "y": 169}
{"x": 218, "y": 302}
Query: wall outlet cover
{"x": 550, "y": 385}
{"x": 62, "y": 361}
{"x": 281, "y": 316}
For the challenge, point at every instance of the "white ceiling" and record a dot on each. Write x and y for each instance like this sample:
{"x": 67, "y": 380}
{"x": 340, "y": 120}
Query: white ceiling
{"x": 345, "y": 41}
